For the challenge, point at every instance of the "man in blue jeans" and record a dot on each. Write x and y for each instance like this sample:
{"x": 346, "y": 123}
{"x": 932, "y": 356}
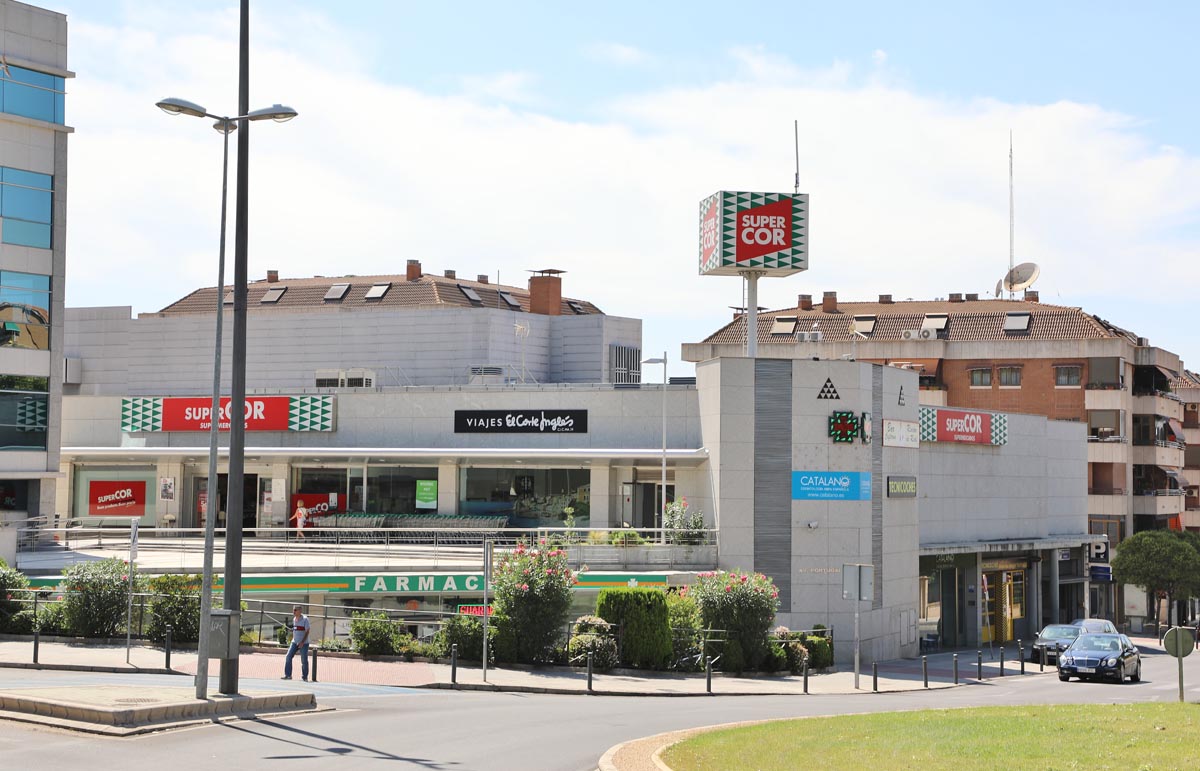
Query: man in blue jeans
{"x": 300, "y": 630}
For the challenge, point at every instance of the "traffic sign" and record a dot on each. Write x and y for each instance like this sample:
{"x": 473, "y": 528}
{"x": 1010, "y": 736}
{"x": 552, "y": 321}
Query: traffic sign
{"x": 1179, "y": 642}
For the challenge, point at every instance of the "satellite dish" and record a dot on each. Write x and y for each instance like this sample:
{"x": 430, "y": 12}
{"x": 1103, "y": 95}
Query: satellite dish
{"x": 1021, "y": 276}
{"x": 999, "y": 286}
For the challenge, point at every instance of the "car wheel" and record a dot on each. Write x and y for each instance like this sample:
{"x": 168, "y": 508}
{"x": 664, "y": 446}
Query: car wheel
{"x": 1064, "y": 678}
{"x": 1137, "y": 674}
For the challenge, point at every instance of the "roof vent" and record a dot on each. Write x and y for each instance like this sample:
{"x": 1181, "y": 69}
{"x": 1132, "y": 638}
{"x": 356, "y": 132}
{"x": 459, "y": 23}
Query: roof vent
{"x": 885, "y": 299}
{"x": 956, "y": 297}
{"x": 449, "y": 274}
{"x": 829, "y": 302}
{"x": 1031, "y": 295}
{"x": 805, "y": 302}
{"x": 272, "y": 276}
{"x": 413, "y": 271}
{"x": 972, "y": 296}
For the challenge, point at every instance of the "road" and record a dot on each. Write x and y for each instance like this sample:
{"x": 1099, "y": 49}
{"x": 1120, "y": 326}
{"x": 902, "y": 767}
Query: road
{"x": 377, "y": 727}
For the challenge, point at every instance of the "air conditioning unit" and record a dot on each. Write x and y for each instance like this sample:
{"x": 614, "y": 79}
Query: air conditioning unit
{"x": 910, "y": 334}
{"x": 812, "y": 337}
{"x": 486, "y": 374}
{"x": 927, "y": 334}
{"x": 358, "y": 378}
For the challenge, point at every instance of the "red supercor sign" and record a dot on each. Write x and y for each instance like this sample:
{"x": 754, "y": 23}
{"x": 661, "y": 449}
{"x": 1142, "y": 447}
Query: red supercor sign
{"x": 964, "y": 426}
{"x": 116, "y": 499}
{"x": 263, "y": 413}
{"x": 764, "y": 229}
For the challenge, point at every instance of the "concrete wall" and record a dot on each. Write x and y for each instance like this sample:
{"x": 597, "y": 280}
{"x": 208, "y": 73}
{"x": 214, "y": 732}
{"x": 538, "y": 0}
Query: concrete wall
{"x": 171, "y": 354}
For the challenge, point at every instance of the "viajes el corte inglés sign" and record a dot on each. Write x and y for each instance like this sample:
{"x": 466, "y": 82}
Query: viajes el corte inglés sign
{"x": 263, "y": 413}
{"x": 753, "y": 231}
{"x": 967, "y": 426}
{"x": 520, "y": 421}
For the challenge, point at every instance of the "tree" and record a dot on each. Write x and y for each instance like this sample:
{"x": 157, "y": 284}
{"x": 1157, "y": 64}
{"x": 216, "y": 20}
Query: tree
{"x": 1160, "y": 561}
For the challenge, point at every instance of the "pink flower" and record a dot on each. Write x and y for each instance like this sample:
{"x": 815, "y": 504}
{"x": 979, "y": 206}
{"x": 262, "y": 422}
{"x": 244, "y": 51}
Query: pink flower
{"x": 524, "y": 587}
{"x": 729, "y": 588}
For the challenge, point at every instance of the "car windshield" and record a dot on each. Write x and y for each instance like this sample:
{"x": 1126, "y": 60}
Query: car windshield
{"x": 1096, "y": 642}
{"x": 1061, "y": 630}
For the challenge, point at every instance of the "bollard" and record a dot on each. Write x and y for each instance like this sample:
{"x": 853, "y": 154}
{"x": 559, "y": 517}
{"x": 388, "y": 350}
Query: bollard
{"x": 956, "y": 669}
{"x": 1021, "y": 653}
{"x": 167, "y": 646}
{"x": 36, "y": 627}
{"x": 708, "y": 675}
{"x": 314, "y": 664}
{"x": 1042, "y": 660}
{"x": 874, "y": 677}
{"x": 36, "y": 634}
{"x": 589, "y": 671}
{"x": 925, "y": 670}
{"x": 1002, "y": 661}
{"x": 804, "y": 669}
{"x": 454, "y": 664}
{"x": 979, "y": 655}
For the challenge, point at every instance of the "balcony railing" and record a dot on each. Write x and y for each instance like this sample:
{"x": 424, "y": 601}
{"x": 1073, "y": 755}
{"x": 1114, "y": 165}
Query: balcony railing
{"x": 1105, "y": 386}
{"x": 1108, "y": 438}
{"x": 1105, "y": 491}
{"x": 1158, "y": 491}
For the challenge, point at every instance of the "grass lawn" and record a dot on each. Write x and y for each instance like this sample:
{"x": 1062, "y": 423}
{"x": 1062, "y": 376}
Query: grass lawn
{"x": 1121, "y": 737}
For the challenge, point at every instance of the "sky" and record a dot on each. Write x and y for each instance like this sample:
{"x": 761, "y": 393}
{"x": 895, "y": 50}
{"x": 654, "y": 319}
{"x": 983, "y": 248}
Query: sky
{"x": 501, "y": 138}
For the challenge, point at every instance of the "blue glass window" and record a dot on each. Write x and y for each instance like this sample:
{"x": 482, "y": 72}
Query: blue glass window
{"x": 31, "y": 94}
{"x": 26, "y": 207}
{"x": 23, "y": 419}
{"x": 24, "y": 312}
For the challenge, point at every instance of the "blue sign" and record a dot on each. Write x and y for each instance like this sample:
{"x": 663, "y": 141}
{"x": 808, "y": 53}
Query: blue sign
{"x": 831, "y": 485}
{"x": 1101, "y": 573}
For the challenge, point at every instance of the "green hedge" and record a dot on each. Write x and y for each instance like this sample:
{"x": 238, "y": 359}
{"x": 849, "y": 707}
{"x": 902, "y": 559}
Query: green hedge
{"x": 176, "y": 603}
{"x": 641, "y": 615}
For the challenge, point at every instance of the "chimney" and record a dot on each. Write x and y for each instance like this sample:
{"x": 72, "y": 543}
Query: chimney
{"x": 829, "y": 302}
{"x": 272, "y": 277}
{"x": 1031, "y": 295}
{"x": 545, "y": 293}
{"x": 805, "y": 302}
{"x": 972, "y": 296}
{"x": 482, "y": 278}
{"x": 956, "y": 297}
{"x": 413, "y": 272}
{"x": 450, "y": 274}
{"x": 885, "y": 299}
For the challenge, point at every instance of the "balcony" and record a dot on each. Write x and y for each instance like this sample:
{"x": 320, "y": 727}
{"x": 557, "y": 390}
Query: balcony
{"x": 1169, "y": 454}
{"x": 1158, "y": 503}
{"x": 1162, "y": 403}
{"x": 1116, "y": 398}
{"x": 1107, "y": 504}
{"x": 1190, "y": 519}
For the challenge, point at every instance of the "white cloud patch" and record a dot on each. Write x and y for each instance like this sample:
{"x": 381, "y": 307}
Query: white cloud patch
{"x": 617, "y": 53}
{"x": 909, "y": 193}
{"x": 879, "y": 57}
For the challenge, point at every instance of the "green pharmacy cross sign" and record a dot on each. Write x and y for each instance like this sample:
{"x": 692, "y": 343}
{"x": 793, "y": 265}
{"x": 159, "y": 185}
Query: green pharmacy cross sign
{"x": 844, "y": 426}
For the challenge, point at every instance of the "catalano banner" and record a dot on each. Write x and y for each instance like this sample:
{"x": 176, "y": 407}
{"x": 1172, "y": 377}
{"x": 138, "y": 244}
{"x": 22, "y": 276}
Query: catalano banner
{"x": 262, "y": 413}
{"x": 760, "y": 231}
{"x": 107, "y": 498}
{"x": 831, "y": 485}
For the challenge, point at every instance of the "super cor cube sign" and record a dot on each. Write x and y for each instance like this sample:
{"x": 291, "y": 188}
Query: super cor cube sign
{"x": 753, "y": 231}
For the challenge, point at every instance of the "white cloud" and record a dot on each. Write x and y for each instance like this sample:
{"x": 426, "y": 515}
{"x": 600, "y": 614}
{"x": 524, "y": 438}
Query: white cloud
{"x": 909, "y": 192}
{"x": 617, "y": 53}
{"x": 879, "y": 57}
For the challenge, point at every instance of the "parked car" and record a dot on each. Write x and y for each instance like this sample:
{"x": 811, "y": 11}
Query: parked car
{"x": 1096, "y": 656}
{"x": 1054, "y": 639}
{"x": 1096, "y": 625}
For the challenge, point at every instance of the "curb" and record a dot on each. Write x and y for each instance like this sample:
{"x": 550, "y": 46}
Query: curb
{"x": 90, "y": 668}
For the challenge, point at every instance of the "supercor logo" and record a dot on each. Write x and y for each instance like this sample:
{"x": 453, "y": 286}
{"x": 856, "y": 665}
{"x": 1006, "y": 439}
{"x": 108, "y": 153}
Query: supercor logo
{"x": 968, "y": 423}
{"x": 839, "y": 481}
{"x": 118, "y": 495}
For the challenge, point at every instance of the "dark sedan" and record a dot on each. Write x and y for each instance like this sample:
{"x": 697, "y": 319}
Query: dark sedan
{"x": 1097, "y": 656}
{"x": 1053, "y": 639}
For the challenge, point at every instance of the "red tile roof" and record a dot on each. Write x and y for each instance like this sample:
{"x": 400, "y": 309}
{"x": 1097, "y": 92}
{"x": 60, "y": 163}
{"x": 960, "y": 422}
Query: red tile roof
{"x": 971, "y": 320}
{"x": 425, "y": 291}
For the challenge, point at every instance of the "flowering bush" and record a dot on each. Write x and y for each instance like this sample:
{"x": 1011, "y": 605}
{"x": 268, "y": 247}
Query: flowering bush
{"x": 683, "y": 525}
{"x": 684, "y": 619}
{"x": 741, "y": 604}
{"x": 533, "y": 597}
{"x": 94, "y": 604}
{"x": 13, "y": 584}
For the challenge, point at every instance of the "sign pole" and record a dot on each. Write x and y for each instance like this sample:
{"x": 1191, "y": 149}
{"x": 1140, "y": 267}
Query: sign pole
{"x": 858, "y": 585}
{"x": 857, "y": 645}
{"x": 133, "y": 532}
{"x": 487, "y": 580}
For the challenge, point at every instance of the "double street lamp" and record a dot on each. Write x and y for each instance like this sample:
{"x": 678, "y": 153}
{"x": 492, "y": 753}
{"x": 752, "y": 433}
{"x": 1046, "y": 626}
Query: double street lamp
{"x": 226, "y": 126}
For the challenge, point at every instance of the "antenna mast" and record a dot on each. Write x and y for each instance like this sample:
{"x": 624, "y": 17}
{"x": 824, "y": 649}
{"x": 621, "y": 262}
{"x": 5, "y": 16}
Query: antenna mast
{"x": 1011, "y": 227}
{"x": 796, "y": 132}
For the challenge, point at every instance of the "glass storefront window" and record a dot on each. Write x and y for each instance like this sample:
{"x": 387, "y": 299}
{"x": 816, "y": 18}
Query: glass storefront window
{"x": 530, "y": 497}
{"x": 393, "y": 489}
{"x": 92, "y": 485}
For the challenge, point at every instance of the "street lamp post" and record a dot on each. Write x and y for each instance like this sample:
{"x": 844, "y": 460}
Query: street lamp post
{"x": 663, "y": 509}
{"x": 226, "y": 126}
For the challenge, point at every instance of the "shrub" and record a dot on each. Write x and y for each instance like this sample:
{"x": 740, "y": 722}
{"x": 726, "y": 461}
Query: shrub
{"x": 95, "y": 603}
{"x": 283, "y": 636}
{"x": 596, "y": 636}
{"x": 820, "y": 651}
{"x": 792, "y": 646}
{"x": 20, "y": 622}
{"x": 52, "y": 618}
{"x": 684, "y": 619}
{"x": 732, "y": 658}
{"x": 683, "y": 526}
{"x": 467, "y": 633}
{"x": 533, "y": 598}
{"x": 334, "y": 645}
{"x": 643, "y": 622}
{"x": 13, "y": 584}
{"x": 775, "y": 659}
{"x": 741, "y": 604}
{"x": 373, "y": 634}
{"x": 176, "y": 603}
{"x": 625, "y": 538}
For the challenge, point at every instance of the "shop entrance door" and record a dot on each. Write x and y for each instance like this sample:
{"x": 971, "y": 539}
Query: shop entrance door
{"x": 249, "y": 501}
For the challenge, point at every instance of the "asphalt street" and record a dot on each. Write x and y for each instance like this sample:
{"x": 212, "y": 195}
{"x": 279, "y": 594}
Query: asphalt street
{"x": 469, "y": 731}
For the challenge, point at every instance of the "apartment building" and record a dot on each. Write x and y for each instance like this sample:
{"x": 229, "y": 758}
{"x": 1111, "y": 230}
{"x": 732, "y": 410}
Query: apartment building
{"x": 33, "y": 214}
{"x": 1020, "y": 356}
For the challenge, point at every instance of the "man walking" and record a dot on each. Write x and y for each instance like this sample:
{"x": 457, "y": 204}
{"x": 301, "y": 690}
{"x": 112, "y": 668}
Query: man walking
{"x": 300, "y": 630}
